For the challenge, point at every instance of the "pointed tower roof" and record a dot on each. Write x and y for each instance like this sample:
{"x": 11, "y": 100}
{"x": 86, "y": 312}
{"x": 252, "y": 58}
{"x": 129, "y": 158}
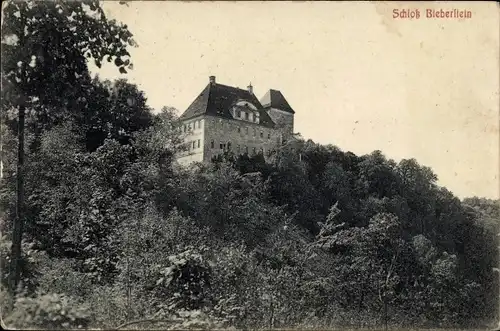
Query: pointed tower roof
{"x": 274, "y": 99}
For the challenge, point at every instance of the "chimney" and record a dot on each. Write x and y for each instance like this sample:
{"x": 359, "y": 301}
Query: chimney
{"x": 250, "y": 88}
{"x": 212, "y": 79}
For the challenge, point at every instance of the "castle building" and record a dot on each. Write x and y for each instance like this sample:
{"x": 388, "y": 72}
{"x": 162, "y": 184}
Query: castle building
{"x": 225, "y": 118}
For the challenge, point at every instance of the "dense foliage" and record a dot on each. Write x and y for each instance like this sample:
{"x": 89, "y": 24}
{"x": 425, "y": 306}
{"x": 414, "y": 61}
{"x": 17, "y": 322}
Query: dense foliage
{"x": 118, "y": 235}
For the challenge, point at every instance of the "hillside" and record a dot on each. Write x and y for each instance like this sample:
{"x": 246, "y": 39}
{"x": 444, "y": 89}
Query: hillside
{"x": 117, "y": 234}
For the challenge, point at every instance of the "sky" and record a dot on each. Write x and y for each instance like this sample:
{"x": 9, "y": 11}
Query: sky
{"x": 357, "y": 77}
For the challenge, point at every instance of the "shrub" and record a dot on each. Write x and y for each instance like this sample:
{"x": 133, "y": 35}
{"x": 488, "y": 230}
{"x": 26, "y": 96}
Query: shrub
{"x": 47, "y": 311}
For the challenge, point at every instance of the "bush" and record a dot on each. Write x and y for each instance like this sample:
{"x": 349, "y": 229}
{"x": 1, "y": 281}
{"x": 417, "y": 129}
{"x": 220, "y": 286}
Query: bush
{"x": 60, "y": 276}
{"x": 47, "y": 311}
{"x": 31, "y": 260}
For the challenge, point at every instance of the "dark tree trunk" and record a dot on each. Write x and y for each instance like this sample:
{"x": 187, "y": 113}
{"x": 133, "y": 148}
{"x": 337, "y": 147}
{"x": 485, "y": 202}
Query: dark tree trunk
{"x": 385, "y": 315}
{"x": 17, "y": 232}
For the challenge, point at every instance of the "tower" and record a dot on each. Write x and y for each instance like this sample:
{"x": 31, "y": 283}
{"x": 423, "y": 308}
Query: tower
{"x": 280, "y": 112}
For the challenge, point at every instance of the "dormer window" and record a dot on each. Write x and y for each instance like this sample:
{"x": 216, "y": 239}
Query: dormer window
{"x": 246, "y": 111}
{"x": 245, "y": 104}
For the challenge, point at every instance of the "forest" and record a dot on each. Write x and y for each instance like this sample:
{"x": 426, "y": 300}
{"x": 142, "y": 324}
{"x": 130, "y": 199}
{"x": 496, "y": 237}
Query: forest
{"x": 116, "y": 235}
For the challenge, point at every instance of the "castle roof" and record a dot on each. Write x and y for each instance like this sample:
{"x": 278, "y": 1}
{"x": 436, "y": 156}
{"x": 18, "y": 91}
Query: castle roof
{"x": 217, "y": 100}
{"x": 274, "y": 99}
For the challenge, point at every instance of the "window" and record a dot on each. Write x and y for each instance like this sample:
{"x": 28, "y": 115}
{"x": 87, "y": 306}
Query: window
{"x": 254, "y": 132}
{"x": 199, "y": 125}
{"x": 262, "y": 134}
{"x": 246, "y": 130}
{"x": 189, "y": 126}
{"x": 255, "y": 117}
{"x": 198, "y": 143}
{"x": 229, "y": 146}
{"x": 246, "y": 149}
{"x": 184, "y": 127}
{"x": 194, "y": 144}
{"x": 261, "y": 151}
{"x": 239, "y": 129}
{"x": 238, "y": 113}
{"x": 268, "y": 136}
{"x": 212, "y": 144}
{"x": 246, "y": 116}
{"x": 221, "y": 146}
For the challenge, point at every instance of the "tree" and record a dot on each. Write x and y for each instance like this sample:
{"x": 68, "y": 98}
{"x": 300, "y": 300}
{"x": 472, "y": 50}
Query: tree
{"x": 481, "y": 238}
{"x": 370, "y": 260}
{"x": 44, "y": 48}
{"x": 234, "y": 206}
{"x": 115, "y": 110}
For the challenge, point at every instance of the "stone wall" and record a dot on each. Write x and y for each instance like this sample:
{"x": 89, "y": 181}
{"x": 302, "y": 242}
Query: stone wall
{"x": 283, "y": 120}
{"x": 237, "y": 135}
{"x": 224, "y": 131}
